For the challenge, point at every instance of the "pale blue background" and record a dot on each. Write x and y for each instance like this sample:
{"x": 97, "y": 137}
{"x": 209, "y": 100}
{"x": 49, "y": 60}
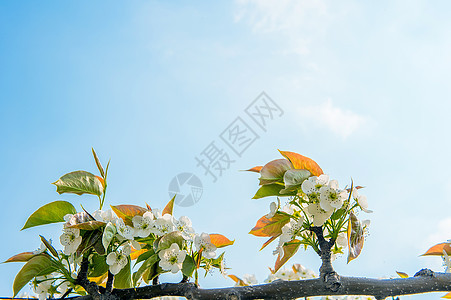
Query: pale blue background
{"x": 365, "y": 88}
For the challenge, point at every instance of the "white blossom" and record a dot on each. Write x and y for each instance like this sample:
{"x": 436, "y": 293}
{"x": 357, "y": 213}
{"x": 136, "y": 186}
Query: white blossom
{"x": 203, "y": 242}
{"x": 163, "y": 225}
{"x": 319, "y": 215}
{"x": 272, "y": 210}
{"x": 124, "y": 230}
{"x": 331, "y": 197}
{"x": 184, "y": 225}
{"x": 171, "y": 259}
{"x": 70, "y": 239}
{"x": 118, "y": 260}
{"x": 143, "y": 224}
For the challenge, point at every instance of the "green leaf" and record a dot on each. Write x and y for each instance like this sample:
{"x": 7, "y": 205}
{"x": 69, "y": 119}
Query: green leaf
{"x": 274, "y": 171}
{"x": 270, "y": 227}
{"x": 99, "y": 165}
{"x": 89, "y": 238}
{"x": 188, "y": 266}
{"x": 338, "y": 214}
{"x": 79, "y": 182}
{"x": 53, "y": 212}
{"x": 148, "y": 263}
{"x": 97, "y": 265}
{"x": 168, "y": 239}
{"x": 144, "y": 256}
{"x": 37, "y": 266}
{"x": 49, "y": 246}
{"x": 108, "y": 235}
{"x": 272, "y": 190}
{"x": 294, "y": 178}
{"x": 123, "y": 279}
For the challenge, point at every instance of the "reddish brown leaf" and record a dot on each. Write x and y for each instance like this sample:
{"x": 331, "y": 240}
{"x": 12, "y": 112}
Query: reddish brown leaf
{"x": 270, "y": 227}
{"x": 90, "y": 225}
{"x": 127, "y": 212}
{"x": 302, "y": 162}
{"x": 289, "y": 250}
{"x": 21, "y": 257}
{"x": 220, "y": 241}
{"x": 355, "y": 237}
{"x": 274, "y": 170}
{"x": 438, "y": 249}
{"x": 269, "y": 241}
{"x": 169, "y": 207}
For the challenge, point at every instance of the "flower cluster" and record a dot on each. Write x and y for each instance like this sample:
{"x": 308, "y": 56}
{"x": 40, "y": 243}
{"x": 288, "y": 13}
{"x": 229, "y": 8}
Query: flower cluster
{"x": 101, "y": 246}
{"x": 314, "y": 201}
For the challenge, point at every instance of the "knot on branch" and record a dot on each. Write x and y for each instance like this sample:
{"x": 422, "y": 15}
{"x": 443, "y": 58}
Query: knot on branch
{"x": 332, "y": 281}
{"x": 425, "y": 273}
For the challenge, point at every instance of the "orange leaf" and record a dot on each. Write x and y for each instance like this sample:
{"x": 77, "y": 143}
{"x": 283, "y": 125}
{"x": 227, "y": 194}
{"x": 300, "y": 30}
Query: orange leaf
{"x": 447, "y": 296}
{"x": 127, "y": 212}
{"x": 289, "y": 250}
{"x": 21, "y": 257}
{"x": 255, "y": 169}
{"x": 220, "y": 241}
{"x": 169, "y": 207}
{"x": 237, "y": 280}
{"x": 270, "y": 227}
{"x": 269, "y": 241}
{"x": 102, "y": 181}
{"x": 302, "y": 162}
{"x": 136, "y": 253}
{"x": 438, "y": 249}
{"x": 402, "y": 274}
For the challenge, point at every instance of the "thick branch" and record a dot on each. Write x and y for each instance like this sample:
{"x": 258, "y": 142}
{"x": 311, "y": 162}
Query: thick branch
{"x": 380, "y": 288}
{"x": 327, "y": 273}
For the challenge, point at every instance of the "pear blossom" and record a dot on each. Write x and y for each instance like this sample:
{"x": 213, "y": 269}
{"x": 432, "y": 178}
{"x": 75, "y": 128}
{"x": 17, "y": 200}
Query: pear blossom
{"x": 118, "y": 260}
{"x": 124, "y": 230}
{"x": 171, "y": 259}
{"x": 203, "y": 241}
{"x": 331, "y": 197}
{"x": 342, "y": 240}
{"x": 361, "y": 201}
{"x": 250, "y": 279}
{"x": 163, "y": 225}
{"x": 44, "y": 288}
{"x": 70, "y": 239}
{"x": 184, "y": 225}
{"x": 319, "y": 215}
{"x": 272, "y": 210}
{"x": 313, "y": 184}
{"x": 105, "y": 216}
{"x": 290, "y": 230}
{"x": 143, "y": 224}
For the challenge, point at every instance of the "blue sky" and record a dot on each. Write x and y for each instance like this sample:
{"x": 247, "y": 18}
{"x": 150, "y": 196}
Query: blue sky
{"x": 364, "y": 88}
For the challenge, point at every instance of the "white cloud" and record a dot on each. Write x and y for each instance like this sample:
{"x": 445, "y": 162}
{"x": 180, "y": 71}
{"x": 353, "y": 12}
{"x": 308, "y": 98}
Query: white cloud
{"x": 342, "y": 123}
{"x": 297, "y": 22}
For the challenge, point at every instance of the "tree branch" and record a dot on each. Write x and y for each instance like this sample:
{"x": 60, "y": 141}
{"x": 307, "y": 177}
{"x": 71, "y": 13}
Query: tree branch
{"x": 327, "y": 273}
{"x": 426, "y": 281}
